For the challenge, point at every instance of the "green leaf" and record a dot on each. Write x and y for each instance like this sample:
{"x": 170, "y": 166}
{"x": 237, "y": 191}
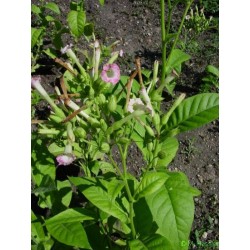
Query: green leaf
{"x": 172, "y": 208}
{"x": 55, "y": 149}
{"x": 194, "y": 112}
{"x": 137, "y": 245}
{"x": 35, "y": 9}
{"x": 72, "y": 215}
{"x": 65, "y": 192}
{"x": 176, "y": 59}
{"x": 88, "y": 29}
{"x": 213, "y": 70}
{"x": 36, "y": 228}
{"x": 66, "y": 227}
{"x": 101, "y": 199}
{"x": 76, "y": 21}
{"x": 151, "y": 182}
{"x": 102, "y": 2}
{"x": 72, "y": 234}
{"x": 35, "y": 35}
{"x": 53, "y": 6}
{"x": 169, "y": 147}
{"x": 158, "y": 242}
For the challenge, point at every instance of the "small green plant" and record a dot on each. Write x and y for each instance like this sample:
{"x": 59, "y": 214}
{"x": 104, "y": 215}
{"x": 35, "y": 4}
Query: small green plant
{"x": 211, "y": 80}
{"x": 190, "y": 148}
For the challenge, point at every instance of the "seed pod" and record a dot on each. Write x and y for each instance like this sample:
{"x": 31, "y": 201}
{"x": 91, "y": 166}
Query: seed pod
{"x": 101, "y": 99}
{"x": 112, "y": 105}
{"x": 80, "y": 132}
{"x": 162, "y": 154}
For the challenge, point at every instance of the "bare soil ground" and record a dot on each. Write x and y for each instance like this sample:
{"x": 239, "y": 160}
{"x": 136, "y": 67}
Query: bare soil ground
{"x": 137, "y": 25}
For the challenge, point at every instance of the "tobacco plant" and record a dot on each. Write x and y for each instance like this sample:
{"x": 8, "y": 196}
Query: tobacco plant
{"x": 97, "y": 114}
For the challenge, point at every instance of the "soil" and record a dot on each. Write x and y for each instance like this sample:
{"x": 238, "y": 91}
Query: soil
{"x": 137, "y": 25}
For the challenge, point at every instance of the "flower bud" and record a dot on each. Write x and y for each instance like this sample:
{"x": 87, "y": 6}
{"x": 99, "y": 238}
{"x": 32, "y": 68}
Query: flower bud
{"x": 150, "y": 146}
{"x": 112, "y": 105}
{"x": 156, "y": 120}
{"x": 101, "y": 99}
{"x": 103, "y": 125}
{"x": 55, "y": 118}
{"x": 150, "y": 131}
{"x": 80, "y": 132}
{"x": 105, "y": 148}
{"x": 123, "y": 140}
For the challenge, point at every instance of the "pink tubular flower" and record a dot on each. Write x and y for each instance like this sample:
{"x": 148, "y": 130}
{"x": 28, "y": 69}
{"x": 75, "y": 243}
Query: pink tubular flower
{"x": 111, "y": 73}
{"x": 65, "y": 159}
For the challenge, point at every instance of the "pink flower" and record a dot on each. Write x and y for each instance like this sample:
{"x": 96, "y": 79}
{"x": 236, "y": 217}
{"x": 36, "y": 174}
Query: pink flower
{"x": 65, "y": 159}
{"x": 111, "y": 73}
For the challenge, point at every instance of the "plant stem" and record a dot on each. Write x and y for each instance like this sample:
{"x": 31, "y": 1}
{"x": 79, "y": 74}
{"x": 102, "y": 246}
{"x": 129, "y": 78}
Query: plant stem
{"x": 164, "y": 61}
{"x": 123, "y": 154}
{"x": 163, "y": 41}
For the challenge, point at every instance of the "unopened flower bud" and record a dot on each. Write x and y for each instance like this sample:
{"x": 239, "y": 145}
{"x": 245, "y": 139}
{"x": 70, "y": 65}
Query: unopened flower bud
{"x": 123, "y": 140}
{"x": 150, "y": 146}
{"x": 112, "y": 105}
{"x": 55, "y": 118}
{"x": 80, "y": 132}
{"x": 101, "y": 99}
{"x": 150, "y": 131}
{"x": 105, "y": 148}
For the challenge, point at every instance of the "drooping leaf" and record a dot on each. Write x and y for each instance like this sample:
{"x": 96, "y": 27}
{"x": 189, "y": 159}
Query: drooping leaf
{"x": 76, "y": 21}
{"x": 194, "y": 112}
{"x": 36, "y": 228}
{"x": 172, "y": 208}
{"x": 151, "y": 182}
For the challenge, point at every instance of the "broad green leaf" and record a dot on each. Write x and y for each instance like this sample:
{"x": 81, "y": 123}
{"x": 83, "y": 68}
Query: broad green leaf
{"x": 172, "y": 208}
{"x": 40, "y": 170}
{"x": 150, "y": 183}
{"x": 36, "y": 228}
{"x": 72, "y": 234}
{"x": 35, "y": 35}
{"x": 55, "y": 150}
{"x": 113, "y": 187}
{"x": 53, "y": 6}
{"x": 72, "y": 215}
{"x": 169, "y": 147}
{"x": 136, "y": 245}
{"x": 76, "y": 21}
{"x": 176, "y": 59}
{"x": 101, "y": 199}
{"x": 65, "y": 191}
{"x": 194, "y": 112}
{"x": 35, "y": 9}
{"x": 158, "y": 242}
{"x": 213, "y": 70}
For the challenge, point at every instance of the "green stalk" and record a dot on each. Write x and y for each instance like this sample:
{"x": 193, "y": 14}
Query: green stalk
{"x": 164, "y": 61}
{"x": 163, "y": 41}
{"x": 130, "y": 197}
